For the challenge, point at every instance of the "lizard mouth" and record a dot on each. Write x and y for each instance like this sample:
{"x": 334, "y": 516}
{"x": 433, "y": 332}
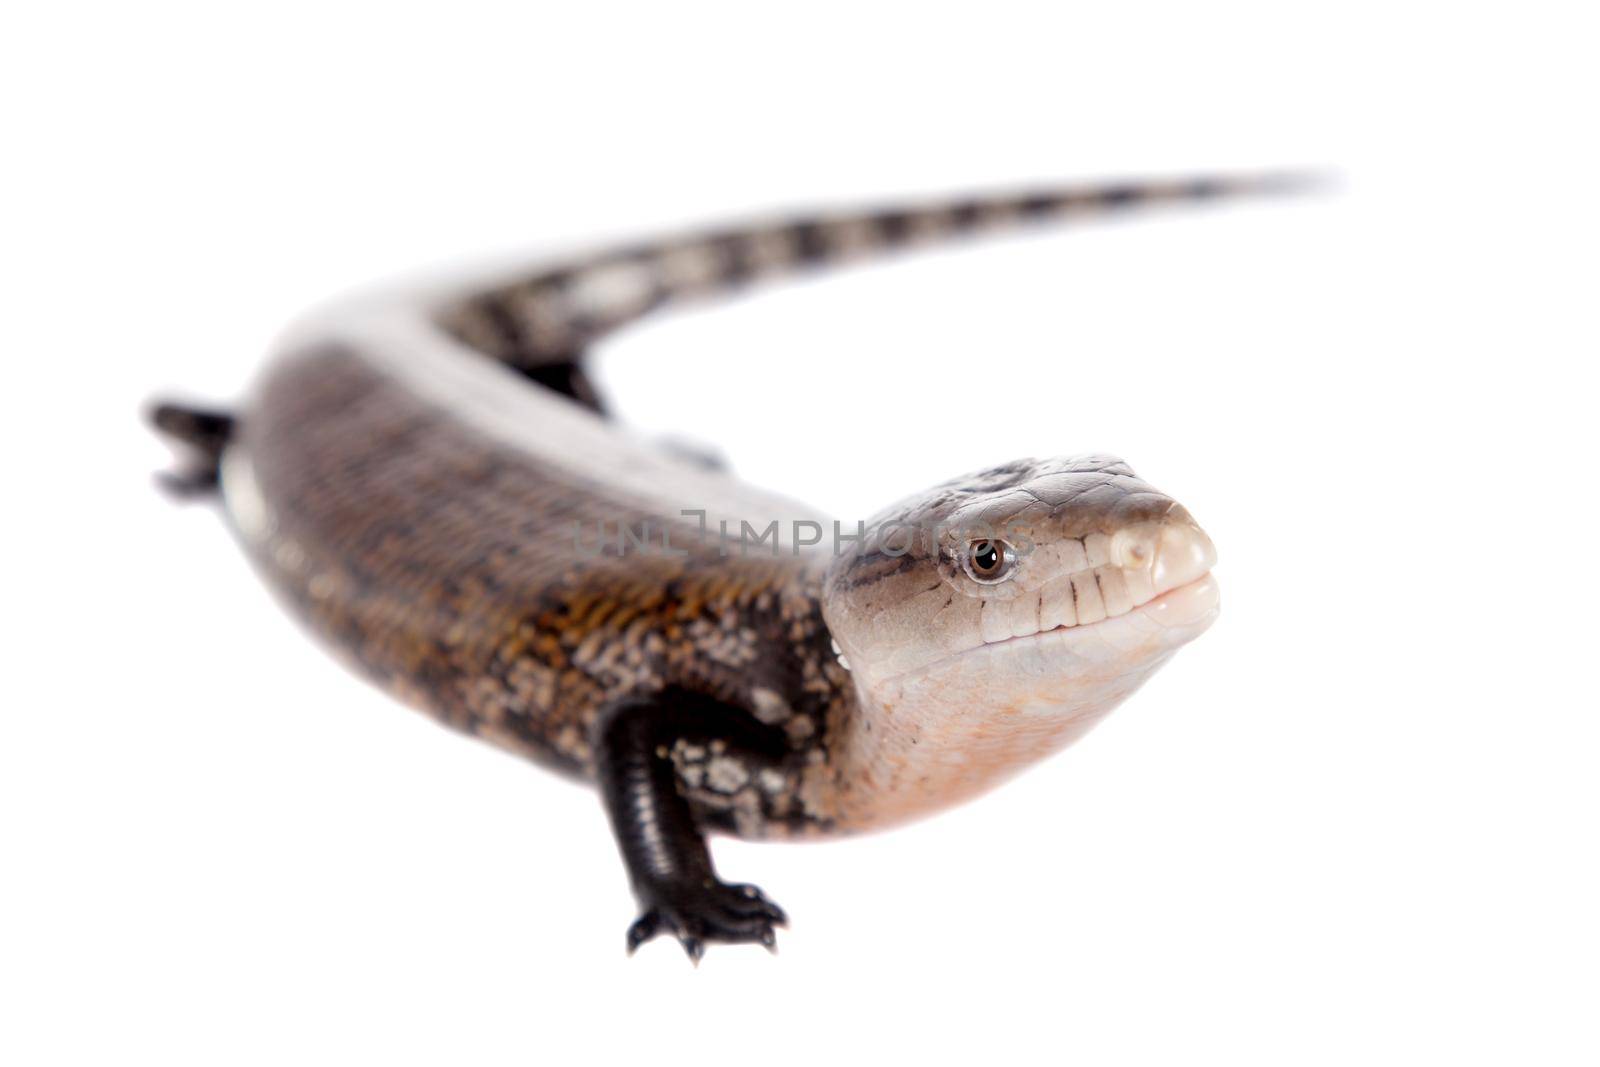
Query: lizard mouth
{"x": 1146, "y": 632}
{"x": 1193, "y": 604}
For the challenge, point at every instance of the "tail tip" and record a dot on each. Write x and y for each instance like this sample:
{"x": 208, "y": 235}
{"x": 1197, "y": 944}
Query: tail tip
{"x": 1305, "y": 181}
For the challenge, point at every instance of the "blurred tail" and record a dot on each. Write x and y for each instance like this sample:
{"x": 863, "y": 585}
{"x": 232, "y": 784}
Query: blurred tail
{"x": 201, "y": 435}
{"x": 550, "y": 316}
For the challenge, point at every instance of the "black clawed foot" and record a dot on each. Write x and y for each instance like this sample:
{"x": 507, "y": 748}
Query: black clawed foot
{"x": 706, "y": 912}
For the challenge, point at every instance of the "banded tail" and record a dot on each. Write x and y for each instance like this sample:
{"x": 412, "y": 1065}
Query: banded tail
{"x": 542, "y": 323}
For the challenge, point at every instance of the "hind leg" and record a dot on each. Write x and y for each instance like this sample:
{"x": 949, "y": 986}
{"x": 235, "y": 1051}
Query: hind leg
{"x": 203, "y": 434}
{"x": 694, "y": 453}
{"x": 571, "y": 380}
{"x": 567, "y": 378}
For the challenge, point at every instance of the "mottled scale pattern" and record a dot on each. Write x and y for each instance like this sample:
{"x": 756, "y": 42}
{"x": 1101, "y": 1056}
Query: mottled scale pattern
{"x": 448, "y": 566}
{"x": 445, "y": 562}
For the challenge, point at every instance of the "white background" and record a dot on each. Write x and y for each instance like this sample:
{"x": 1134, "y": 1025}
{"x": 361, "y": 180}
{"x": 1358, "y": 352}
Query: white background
{"x": 1353, "y": 823}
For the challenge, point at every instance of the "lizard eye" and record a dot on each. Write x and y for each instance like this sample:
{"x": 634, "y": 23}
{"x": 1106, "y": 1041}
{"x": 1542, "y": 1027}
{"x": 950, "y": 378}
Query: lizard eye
{"x": 990, "y": 560}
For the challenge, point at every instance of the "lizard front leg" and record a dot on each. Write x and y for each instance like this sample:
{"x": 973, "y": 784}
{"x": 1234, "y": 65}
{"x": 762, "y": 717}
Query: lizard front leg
{"x": 662, "y": 846}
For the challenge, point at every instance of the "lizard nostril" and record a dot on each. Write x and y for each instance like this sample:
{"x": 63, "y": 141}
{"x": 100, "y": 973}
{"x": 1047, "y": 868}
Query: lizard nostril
{"x": 1134, "y": 547}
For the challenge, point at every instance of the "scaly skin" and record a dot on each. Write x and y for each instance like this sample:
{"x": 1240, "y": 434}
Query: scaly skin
{"x": 457, "y": 532}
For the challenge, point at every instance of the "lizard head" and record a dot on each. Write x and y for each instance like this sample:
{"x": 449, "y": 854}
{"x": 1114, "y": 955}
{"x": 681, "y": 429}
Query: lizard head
{"x": 994, "y": 618}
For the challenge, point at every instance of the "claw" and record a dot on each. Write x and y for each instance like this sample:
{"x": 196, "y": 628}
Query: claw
{"x": 643, "y": 929}
{"x": 712, "y": 911}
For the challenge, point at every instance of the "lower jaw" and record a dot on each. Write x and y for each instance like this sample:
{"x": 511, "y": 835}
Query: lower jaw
{"x": 962, "y": 725}
{"x": 1194, "y": 603}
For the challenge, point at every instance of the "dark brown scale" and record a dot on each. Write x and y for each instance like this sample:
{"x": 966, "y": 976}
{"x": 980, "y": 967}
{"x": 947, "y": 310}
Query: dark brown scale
{"x": 697, "y": 691}
{"x": 448, "y": 566}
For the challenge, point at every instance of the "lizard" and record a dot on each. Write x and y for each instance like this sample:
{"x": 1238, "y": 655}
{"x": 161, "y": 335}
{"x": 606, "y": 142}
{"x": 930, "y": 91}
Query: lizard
{"x": 431, "y": 483}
